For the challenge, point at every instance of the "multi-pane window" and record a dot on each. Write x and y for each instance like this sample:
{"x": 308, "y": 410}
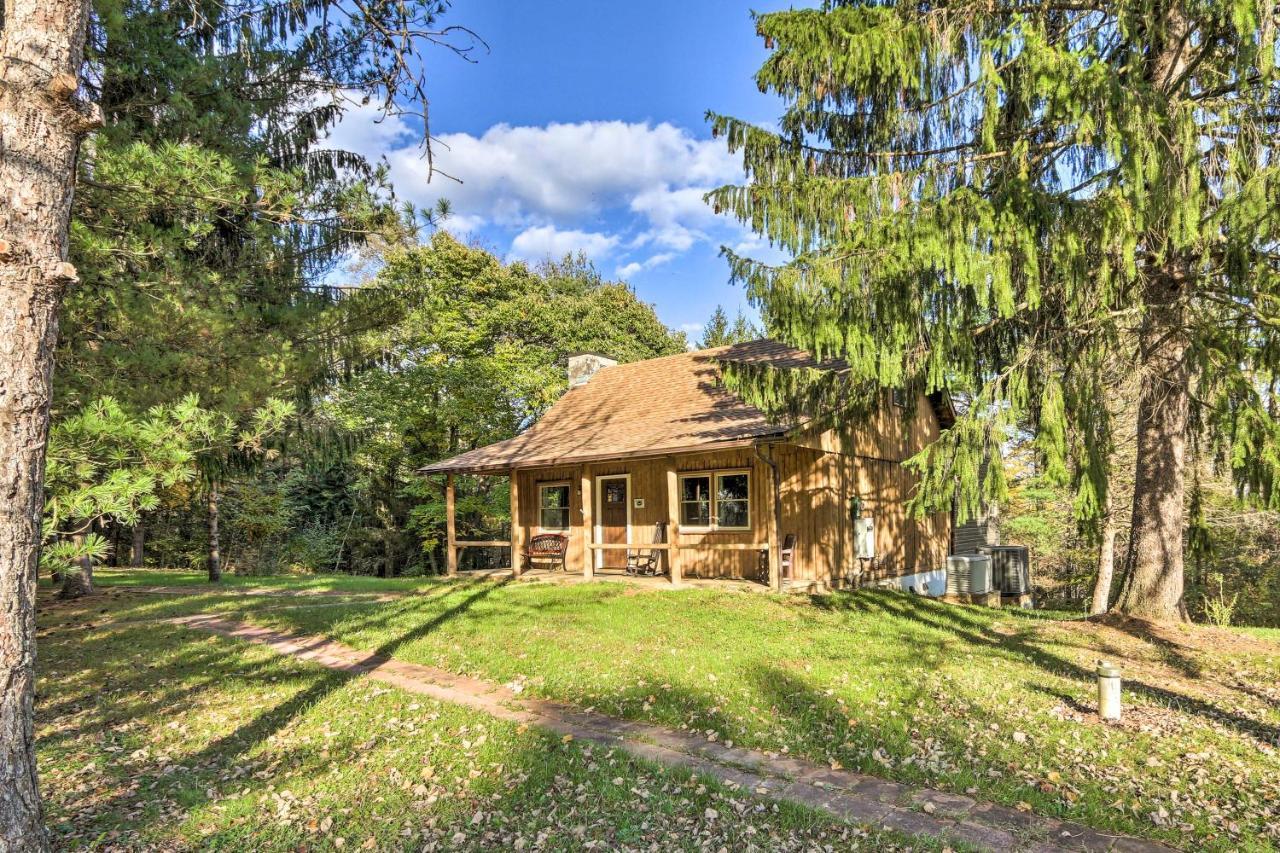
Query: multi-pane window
{"x": 716, "y": 501}
{"x": 695, "y": 501}
{"x": 732, "y": 501}
{"x": 553, "y": 506}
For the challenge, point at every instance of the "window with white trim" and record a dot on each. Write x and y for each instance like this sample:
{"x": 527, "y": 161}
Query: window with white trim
{"x": 553, "y": 507}
{"x": 716, "y": 500}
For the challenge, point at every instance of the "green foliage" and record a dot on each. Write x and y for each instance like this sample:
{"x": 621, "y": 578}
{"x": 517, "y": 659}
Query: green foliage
{"x": 64, "y": 554}
{"x": 719, "y": 332}
{"x": 1220, "y": 608}
{"x": 465, "y": 351}
{"x": 996, "y": 198}
{"x": 103, "y": 463}
{"x": 208, "y": 209}
{"x": 105, "y": 466}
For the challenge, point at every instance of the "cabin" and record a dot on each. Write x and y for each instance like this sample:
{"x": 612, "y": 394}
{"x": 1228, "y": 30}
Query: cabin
{"x": 654, "y": 466}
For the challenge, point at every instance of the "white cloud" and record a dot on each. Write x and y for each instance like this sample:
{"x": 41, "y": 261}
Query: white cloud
{"x": 460, "y": 225}
{"x": 525, "y": 174}
{"x": 628, "y": 270}
{"x": 664, "y": 205}
{"x": 365, "y": 130}
{"x": 560, "y": 183}
{"x": 749, "y": 244}
{"x": 570, "y": 169}
{"x": 546, "y": 241}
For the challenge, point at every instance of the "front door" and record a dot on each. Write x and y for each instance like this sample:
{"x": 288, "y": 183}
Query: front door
{"x": 613, "y": 521}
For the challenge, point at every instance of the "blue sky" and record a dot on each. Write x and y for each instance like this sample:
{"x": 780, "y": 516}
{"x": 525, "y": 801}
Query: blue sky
{"x": 582, "y": 129}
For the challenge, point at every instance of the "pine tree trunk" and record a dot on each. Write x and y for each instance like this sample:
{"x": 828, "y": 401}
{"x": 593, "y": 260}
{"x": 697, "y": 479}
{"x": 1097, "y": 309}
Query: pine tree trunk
{"x": 1153, "y": 584}
{"x": 41, "y": 124}
{"x": 41, "y": 50}
{"x": 214, "y": 558}
{"x": 77, "y": 584}
{"x": 1106, "y": 558}
{"x": 138, "y": 546}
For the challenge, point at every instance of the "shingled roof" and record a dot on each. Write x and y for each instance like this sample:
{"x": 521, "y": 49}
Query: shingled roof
{"x": 645, "y": 408}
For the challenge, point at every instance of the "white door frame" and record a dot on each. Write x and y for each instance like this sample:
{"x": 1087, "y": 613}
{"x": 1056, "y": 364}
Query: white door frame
{"x": 598, "y": 533}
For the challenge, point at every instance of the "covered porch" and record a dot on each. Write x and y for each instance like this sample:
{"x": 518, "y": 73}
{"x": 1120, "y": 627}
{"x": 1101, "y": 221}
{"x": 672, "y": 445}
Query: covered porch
{"x": 695, "y": 518}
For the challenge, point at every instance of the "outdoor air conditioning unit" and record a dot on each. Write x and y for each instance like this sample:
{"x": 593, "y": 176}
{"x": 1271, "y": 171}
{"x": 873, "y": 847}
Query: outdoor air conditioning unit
{"x": 1010, "y": 568}
{"x": 968, "y": 574}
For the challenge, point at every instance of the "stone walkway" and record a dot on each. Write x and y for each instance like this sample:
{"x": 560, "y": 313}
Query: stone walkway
{"x": 861, "y": 799}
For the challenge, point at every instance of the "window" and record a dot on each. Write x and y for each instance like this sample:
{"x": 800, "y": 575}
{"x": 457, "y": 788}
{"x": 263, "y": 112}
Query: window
{"x": 695, "y": 501}
{"x": 726, "y": 507}
{"x": 900, "y": 397}
{"x": 732, "y": 501}
{"x": 553, "y": 506}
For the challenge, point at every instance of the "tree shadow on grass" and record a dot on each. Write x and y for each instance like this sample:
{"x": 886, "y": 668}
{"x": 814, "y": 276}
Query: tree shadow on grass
{"x": 1171, "y": 652}
{"x": 228, "y": 748}
{"x": 955, "y": 619}
{"x": 202, "y": 657}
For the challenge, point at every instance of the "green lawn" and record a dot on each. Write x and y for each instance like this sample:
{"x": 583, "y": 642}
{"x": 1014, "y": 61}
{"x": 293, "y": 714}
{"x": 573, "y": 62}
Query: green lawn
{"x": 199, "y": 581}
{"x": 994, "y": 703}
{"x": 156, "y": 737}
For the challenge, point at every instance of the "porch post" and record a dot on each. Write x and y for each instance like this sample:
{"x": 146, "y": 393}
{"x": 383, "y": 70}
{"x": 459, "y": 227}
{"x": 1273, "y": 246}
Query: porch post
{"x": 450, "y": 529}
{"x": 773, "y": 520}
{"x": 517, "y": 530}
{"x": 675, "y": 564}
{"x": 587, "y": 510}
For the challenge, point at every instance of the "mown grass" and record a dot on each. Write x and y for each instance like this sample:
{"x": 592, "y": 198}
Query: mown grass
{"x": 154, "y": 737}
{"x": 997, "y": 704}
{"x": 136, "y": 578}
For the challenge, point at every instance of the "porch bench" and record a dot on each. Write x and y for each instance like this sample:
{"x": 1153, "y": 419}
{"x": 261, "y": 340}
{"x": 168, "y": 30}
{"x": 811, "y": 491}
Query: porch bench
{"x": 546, "y": 546}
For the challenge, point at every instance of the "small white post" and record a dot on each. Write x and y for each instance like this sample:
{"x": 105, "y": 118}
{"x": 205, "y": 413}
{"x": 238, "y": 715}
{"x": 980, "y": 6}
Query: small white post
{"x": 1108, "y": 691}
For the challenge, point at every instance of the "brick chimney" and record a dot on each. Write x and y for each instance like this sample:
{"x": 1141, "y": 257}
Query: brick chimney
{"x": 583, "y": 365}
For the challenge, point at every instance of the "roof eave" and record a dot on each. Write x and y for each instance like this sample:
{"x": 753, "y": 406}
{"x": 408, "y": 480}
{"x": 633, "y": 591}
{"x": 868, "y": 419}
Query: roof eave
{"x": 556, "y": 462}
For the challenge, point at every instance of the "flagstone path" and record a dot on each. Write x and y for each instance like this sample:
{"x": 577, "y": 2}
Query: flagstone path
{"x": 861, "y": 799}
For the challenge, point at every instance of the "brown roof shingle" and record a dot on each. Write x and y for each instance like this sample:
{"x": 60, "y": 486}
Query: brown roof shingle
{"x": 642, "y": 408}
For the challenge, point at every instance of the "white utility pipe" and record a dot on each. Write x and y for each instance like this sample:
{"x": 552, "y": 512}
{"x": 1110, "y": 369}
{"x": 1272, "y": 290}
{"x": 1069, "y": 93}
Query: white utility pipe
{"x": 1108, "y": 691}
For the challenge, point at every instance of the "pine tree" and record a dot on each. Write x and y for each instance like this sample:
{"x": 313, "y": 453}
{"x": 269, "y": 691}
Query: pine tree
{"x": 209, "y": 208}
{"x": 42, "y": 123}
{"x": 718, "y": 332}
{"x": 1002, "y": 199}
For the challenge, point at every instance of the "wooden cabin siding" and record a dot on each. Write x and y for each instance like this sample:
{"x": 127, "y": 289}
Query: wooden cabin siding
{"x": 824, "y": 470}
{"x": 819, "y": 474}
{"x": 817, "y": 493}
